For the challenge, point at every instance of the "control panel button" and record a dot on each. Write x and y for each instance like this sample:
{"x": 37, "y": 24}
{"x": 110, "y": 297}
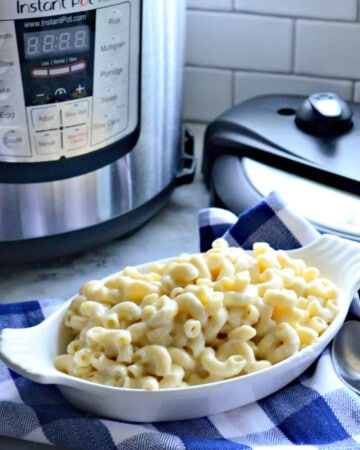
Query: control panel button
{"x": 45, "y": 118}
{"x": 79, "y": 91}
{"x": 115, "y": 46}
{"x": 48, "y": 142}
{"x": 111, "y": 96}
{"x": 113, "y": 73}
{"x": 7, "y": 36}
{"x": 15, "y": 142}
{"x": 7, "y": 63}
{"x": 6, "y": 89}
{"x": 75, "y": 113}
{"x": 75, "y": 138}
{"x": 108, "y": 124}
{"x": 42, "y": 95}
{"x": 116, "y": 17}
{"x": 7, "y": 114}
{"x": 6, "y": 39}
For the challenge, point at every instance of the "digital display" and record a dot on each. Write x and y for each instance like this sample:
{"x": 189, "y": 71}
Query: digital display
{"x": 56, "y": 42}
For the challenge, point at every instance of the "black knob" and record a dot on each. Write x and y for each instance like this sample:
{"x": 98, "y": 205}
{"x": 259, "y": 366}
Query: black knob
{"x": 324, "y": 115}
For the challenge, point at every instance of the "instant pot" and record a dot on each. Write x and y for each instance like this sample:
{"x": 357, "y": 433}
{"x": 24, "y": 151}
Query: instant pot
{"x": 306, "y": 148}
{"x": 91, "y": 135}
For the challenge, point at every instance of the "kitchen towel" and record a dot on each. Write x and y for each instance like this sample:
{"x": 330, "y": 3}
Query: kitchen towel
{"x": 315, "y": 411}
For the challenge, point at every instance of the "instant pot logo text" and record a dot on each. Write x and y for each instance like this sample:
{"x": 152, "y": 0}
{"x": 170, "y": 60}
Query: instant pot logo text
{"x": 49, "y": 5}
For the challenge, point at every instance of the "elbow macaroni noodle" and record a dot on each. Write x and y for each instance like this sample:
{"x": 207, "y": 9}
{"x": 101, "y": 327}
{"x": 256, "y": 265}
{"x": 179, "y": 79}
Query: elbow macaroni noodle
{"x": 197, "y": 318}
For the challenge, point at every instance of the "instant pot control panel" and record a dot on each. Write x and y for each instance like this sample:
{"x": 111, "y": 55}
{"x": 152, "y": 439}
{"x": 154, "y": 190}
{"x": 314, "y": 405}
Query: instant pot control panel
{"x": 69, "y": 80}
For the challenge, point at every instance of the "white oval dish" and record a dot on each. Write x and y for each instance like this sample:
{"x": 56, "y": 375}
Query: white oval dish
{"x": 31, "y": 351}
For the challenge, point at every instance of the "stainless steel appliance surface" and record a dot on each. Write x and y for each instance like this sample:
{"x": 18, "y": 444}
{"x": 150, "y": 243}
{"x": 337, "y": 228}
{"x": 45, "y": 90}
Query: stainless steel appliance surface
{"x": 91, "y": 136}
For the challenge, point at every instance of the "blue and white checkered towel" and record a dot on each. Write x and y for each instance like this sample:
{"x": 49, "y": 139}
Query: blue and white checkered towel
{"x": 316, "y": 411}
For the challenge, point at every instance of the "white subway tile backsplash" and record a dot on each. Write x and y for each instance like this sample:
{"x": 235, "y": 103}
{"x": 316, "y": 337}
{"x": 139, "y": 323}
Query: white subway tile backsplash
{"x": 221, "y": 5}
{"x": 321, "y": 9}
{"x": 248, "y": 85}
{"x": 207, "y": 93}
{"x": 327, "y": 49}
{"x": 230, "y": 40}
{"x": 238, "y": 49}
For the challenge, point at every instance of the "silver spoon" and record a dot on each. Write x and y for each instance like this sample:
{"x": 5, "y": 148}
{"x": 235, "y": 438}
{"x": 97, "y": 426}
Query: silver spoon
{"x": 346, "y": 354}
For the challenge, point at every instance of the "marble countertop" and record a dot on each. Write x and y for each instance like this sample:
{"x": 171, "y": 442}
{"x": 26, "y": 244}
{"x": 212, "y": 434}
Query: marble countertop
{"x": 171, "y": 231}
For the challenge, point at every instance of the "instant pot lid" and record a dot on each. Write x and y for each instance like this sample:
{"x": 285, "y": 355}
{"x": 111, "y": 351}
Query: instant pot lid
{"x": 307, "y": 153}
{"x": 329, "y": 209}
{"x": 239, "y": 183}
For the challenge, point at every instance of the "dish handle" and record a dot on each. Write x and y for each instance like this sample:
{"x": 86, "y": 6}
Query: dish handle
{"x": 347, "y": 256}
{"x": 18, "y": 351}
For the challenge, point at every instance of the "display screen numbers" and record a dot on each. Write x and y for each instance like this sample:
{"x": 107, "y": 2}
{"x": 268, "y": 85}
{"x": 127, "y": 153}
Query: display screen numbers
{"x": 58, "y": 41}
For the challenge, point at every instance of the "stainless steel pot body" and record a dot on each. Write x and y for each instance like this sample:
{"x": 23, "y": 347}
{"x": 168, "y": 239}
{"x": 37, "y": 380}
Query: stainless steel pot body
{"x": 32, "y": 211}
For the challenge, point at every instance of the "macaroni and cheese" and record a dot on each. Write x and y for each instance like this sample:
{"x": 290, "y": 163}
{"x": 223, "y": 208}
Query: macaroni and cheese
{"x": 197, "y": 318}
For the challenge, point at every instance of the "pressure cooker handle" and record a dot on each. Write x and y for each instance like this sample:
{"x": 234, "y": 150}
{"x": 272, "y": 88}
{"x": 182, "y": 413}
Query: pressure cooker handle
{"x": 186, "y": 173}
